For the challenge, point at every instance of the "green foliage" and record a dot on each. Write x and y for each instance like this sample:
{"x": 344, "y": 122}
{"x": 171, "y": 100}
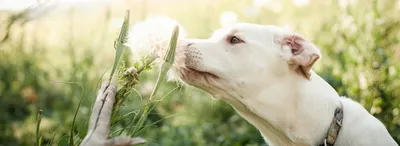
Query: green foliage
{"x": 363, "y": 59}
{"x": 55, "y": 62}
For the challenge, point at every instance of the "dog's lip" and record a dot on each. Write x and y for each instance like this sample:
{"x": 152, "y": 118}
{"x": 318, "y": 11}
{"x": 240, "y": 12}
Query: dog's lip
{"x": 204, "y": 73}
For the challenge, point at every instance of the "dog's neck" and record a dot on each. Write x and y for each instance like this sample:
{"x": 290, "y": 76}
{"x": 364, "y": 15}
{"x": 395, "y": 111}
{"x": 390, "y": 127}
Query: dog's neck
{"x": 294, "y": 111}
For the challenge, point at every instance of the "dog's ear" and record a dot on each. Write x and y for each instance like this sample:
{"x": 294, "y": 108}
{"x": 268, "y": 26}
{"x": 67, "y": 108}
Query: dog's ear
{"x": 303, "y": 54}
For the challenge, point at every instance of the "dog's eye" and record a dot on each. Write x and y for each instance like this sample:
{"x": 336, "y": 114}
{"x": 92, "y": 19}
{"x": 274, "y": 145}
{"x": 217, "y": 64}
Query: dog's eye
{"x": 235, "y": 40}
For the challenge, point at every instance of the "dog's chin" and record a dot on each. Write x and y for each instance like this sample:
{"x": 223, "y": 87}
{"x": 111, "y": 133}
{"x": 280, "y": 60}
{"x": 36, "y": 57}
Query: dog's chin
{"x": 194, "y": 77}
{"x": 196, "y": 74}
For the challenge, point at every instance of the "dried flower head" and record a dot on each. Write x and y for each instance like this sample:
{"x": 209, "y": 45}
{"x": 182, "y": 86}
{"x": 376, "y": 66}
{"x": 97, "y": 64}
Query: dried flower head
{"x": 152, "y": 36}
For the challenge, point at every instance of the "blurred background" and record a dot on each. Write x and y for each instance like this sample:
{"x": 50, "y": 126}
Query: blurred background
{"x": 54, "y": 53}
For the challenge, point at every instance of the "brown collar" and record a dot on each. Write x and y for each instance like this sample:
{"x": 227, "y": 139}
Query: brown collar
{"x": 334, "y": 128}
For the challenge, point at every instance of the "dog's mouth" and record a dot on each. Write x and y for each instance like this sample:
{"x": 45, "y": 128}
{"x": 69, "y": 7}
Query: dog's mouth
{"x": 186, "y": 70}
{"x": 197, "y": 73}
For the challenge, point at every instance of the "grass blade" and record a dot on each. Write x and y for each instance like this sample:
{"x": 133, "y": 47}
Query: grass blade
{"x": 119, "y": 44}
{"x": 71, "y": 135}
{"x": 54, "y": 135}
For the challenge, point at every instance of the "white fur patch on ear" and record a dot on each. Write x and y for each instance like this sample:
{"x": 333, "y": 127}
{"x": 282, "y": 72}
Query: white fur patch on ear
{"x": 302, "y": 55}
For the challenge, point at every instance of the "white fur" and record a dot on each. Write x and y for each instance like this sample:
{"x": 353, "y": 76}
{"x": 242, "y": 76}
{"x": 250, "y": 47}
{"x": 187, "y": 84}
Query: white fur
{"x": 255, "y": 77}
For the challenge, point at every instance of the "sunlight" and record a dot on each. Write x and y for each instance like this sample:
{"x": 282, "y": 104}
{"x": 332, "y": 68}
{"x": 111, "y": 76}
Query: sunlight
{"x": 15, "y": 5}
{"x": 228, "y": 18}
{"x": 301, "y": 3}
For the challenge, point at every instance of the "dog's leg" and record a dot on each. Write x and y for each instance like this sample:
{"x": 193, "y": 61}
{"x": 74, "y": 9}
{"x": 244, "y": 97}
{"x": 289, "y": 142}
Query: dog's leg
{"x": 100, "y": 121}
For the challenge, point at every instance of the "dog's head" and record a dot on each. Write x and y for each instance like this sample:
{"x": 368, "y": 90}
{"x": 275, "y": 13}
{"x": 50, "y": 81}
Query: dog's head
{"x": 244, "y": 56}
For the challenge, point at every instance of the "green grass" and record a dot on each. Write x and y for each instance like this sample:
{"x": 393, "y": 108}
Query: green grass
{"x": 129, "y": 78}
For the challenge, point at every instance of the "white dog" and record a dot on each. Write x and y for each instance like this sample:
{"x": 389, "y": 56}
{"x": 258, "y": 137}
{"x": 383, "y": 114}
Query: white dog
{"x": 264, "y": 73}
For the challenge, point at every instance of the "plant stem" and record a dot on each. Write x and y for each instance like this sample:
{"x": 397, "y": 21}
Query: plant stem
{"x": 165, "y": 66}
{"x": 39, "y": 120}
